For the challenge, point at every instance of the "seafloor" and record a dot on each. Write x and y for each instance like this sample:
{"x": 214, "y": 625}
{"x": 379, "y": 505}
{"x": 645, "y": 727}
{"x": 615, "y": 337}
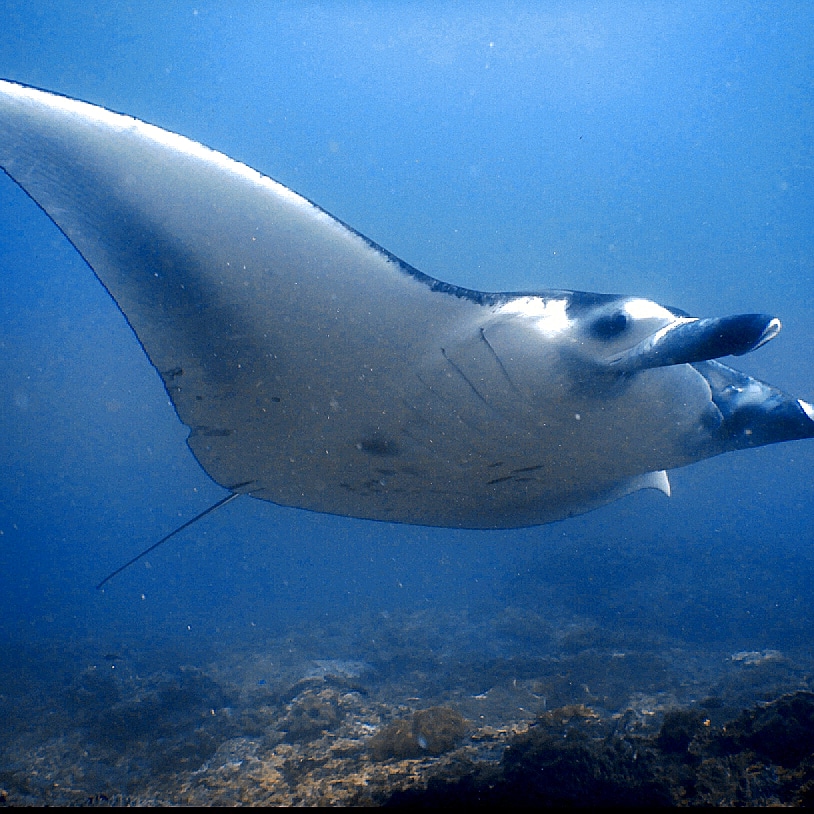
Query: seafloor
{"x": 409, "y": 708}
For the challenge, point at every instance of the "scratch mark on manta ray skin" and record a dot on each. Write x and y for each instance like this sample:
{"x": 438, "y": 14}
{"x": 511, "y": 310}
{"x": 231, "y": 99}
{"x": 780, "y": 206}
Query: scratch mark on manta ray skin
{"x": 498, "y": 360}
{"x": 465, "y": 378}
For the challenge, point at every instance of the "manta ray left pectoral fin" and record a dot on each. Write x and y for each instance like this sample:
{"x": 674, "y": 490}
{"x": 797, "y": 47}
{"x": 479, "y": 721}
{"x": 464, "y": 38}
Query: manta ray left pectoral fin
{"x": 657, "y": 480}
{"x": 650, "y": 480}
{"x": 222, "y": 502}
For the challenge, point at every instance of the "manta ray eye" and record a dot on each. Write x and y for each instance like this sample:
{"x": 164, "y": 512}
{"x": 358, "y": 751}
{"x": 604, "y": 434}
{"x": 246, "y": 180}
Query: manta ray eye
{"x": 609, "y": 327}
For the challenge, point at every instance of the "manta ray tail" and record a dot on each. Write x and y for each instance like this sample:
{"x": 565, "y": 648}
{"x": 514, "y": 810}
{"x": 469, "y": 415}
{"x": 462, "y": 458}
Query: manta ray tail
{"x": 222, "y": 502}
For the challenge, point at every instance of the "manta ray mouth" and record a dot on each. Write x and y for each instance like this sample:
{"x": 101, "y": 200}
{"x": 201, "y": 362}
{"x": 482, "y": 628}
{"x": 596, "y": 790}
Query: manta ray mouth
{"x": 687, "y": 340}
{"x": 751, "y": 413}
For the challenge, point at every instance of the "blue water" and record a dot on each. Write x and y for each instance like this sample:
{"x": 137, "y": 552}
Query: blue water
{"x": 656, "y": 149}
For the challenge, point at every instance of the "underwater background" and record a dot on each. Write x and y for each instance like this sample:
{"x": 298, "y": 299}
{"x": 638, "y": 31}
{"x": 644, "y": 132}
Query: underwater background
{"x": 648, "y": 148}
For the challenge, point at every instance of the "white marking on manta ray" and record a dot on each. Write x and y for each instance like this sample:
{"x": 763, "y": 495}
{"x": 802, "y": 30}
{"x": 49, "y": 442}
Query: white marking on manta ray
{"x": 315, "y": 370}
{"x": 659, "y": 335}
{"x": 638, "y": 308}
{"x": 549, "y": 317}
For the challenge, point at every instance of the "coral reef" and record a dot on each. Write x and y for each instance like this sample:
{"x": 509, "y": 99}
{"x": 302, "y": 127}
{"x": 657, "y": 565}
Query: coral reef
{"x": 414, "y": 709}
{"x": 430, "y": 731}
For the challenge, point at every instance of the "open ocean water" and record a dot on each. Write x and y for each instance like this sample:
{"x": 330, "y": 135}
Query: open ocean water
{"x": 271, "y": 655}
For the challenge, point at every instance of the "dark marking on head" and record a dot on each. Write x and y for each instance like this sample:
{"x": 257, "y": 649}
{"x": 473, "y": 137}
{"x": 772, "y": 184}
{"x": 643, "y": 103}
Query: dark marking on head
{"x": 380, "y": 447}
{"x": 610, "y": 326}
{"x": 581, "y": 302}
{"x": 169, "y": 375}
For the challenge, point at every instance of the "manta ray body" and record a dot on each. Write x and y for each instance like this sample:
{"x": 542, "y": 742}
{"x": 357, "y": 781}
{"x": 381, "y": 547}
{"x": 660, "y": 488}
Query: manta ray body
{"x": 314, "y": 369}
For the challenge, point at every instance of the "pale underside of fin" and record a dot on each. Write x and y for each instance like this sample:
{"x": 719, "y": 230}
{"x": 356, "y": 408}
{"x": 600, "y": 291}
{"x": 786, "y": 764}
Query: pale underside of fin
{"x": 651, "y": 480}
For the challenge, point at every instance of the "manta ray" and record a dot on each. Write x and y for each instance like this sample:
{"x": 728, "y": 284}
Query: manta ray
{"x": 315, "y": 369}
